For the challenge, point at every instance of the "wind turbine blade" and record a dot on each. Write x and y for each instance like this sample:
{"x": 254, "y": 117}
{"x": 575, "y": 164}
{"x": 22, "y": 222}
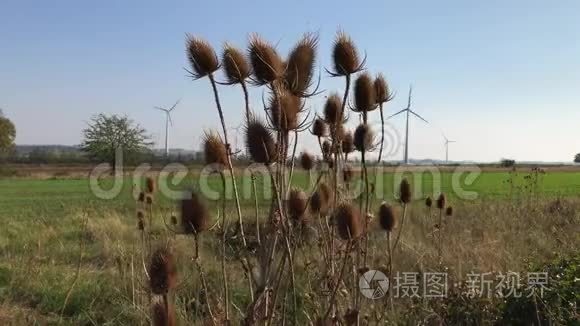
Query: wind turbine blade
{"x": 174, "y": 105}
{"x": 410, "y": 94}
{"x": 159, "y": 108}
{"x": 418, "y": 116}
{"x": 392, "y": 115}
{"x": 170, "y": 120}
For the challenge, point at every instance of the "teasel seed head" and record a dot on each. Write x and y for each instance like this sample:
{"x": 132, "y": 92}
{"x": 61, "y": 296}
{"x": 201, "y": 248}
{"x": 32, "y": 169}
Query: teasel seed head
{"x": 285, "y": 111}
{"x": 202, "y": 57}
{"x": 364, "y": 138}
{"x": 214, "y": 149}
{"x": 306, "y": 161}
{"x": 333, "y": 109}
{"x": 236, "y": 67}
{"x": 321, "y": 200}
{"x": 140, "y": 215}
{"x": 162, "y": 272}
{"x": 320, "y": 128}
{"x": 348, "y": 222}
{"x": 405, "y": 191}
{"x": 348, "y": 143}
{"x": 382, "y": 91}
{"x": 449, "y": 211}
{"x": 429, "y": 202}
{"x": 347, "y": 173}
{"x": 260, "y": 142}
{"x": 160, "y": 315}
{"x": 364, "y": 94}
{"x": 338, "y": 133}
{"x": 387, "y": 217}
{"x": 300, "y": 66}
{"x": 194, "y": 214}
{"x": 149, "y": 199}
{"x": 345, "y": 56}
{"x": 296, "y": 204}
{"x": 149, "y": 185}
{"x": 141, "y": 197}
{"x": 140, "y": 225}
{"x": 326, "y": 149}
{"x": 266, "y": 63}
{"x": 441, "y": 201}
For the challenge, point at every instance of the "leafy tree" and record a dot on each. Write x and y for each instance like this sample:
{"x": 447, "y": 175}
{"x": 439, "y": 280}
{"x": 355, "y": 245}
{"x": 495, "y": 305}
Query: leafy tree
{"x": 7, "y": 134}
{"x": 108, "y": 133}
{"x": 577, "y": 158}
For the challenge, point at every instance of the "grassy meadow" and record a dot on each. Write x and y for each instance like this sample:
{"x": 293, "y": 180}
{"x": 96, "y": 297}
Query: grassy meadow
{"x": 69, "y": 258}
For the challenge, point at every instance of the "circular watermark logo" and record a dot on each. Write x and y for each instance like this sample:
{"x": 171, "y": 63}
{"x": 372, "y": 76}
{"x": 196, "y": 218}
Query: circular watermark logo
{"x": 373, "y": 284}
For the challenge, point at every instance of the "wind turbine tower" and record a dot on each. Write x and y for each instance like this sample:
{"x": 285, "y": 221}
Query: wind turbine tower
{"x": 408, "y": 111}
{"x": 447, "y": 142}
{"x": 168, "y": 121}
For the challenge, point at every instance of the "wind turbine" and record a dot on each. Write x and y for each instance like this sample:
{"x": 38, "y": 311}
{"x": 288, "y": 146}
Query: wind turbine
{"x": 447, "y": 141}
{"x": 167, "y": 122}
{"x": 408, "y": 111}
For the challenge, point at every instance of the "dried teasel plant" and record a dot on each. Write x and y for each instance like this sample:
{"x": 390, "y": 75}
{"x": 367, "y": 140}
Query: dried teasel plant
{"x": 194, "y": 214}
{"x": 405, "y": 196}
{"x": 321, "y": 200}
{"x": 214, "y": 150}
{"x": 348, "y": 222}
{"x": 449, "y": 211}
{"x": 150, "y": 185}
{"x": 260, "y": 142}
{"x": 296, "y": 204}
{"x": 162, "y": 272}
{"x": 333, "y": 110}
{"x": 345, "y": 56}
{"x": 364, "y": 138}
{"x": 267, "y": 64}
{"x": 162, "y": 314}
{"x": 201, "y": 56}
{"x": 320, "y": 128}
{"x": 382, "y": 96}
{"x": 300, "y": 66}
{"x": 387, "y": 217}
{"x": 347, "y": 144}
{"x": 364, "y": 96}
{"x": 285, "y": 109}
{"x": 306, "y": 161}
{"x": 235, "y": 65}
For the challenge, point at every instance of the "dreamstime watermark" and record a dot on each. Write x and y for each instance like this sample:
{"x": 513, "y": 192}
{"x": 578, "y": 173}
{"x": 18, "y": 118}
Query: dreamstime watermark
{"x": 383, "y": 180}
{"x": 374, "y": 285}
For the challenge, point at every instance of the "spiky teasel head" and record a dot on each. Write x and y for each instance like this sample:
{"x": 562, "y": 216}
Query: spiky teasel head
{"x": 364, "y": 138}
{"x": 347, "y": 173}
{"x": 348, "y": 222}
{"x": 320, "y": 128}
{"x": 140, "y": 215}
{"x": 296, "y": 204}
{"x": 387, "y": 217}
{"x": 300, "y": 66}
{"x": 201, "y": 56}
{"x": 338, "y": 132}
{"x": 428, "y": 202}
{"x": 149, "y": 199}
{"x": 326, "y": 149}
{"x": 285, "y": 109}
{"x": 194, "y": 214}
{"x": 449, "y": 211}
{"x": 236, "y": 67}
{"x": 348, "y": 143}
{"x": 364, "y": 94}
{"x": 141, "y": 197}
{"x": 441, "y": 201}
{"x": 160, "y": 316}
{"x": 214, "y": 149}
{"x": 382, "y": 91}
{"x": 260, "y": 142}
{"x": 333, "y": 109}
{"x": 306, "y": 161}
{"x": 321, "y": 200}
{"x": 266, "y": 63}
{"x": 150, "y": 185}
{"x": 345, "y": 56}
{"x": 162, "y": 272}
{"x": 405, "y": 191}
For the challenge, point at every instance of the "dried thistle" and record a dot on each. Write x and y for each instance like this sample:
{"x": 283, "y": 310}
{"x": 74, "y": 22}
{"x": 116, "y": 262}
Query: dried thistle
{"x": 382, "y": 91}
{"x": 345, "y": 56}
{"x": 348, "y": 222}
{"x": 160, "y": 315}
{"x": 214, "y": 149}
{"x": 296, "y": 204}
{"x": 364, "y": 94}
{"x": 348, "y": 143}
{"x": 150, "y": 185}
{"x": 149, "y": 199}
{"x": 285, "y": 109}
{"x": 266, "y": 63}
{"x": 449, "y": 211}
{"x": 321, "y": 200}
{"x": 363, "y": 138}
{"x": 387, "y": 217}
{"x": 441, "y": 201}
{"x": 300, "y": 66}
{"x": 236, "y": 67}
{"x": 306, "y": 161}
{"x": 162, "y": 272}
{"x": 429, "y": 202}
{"x": 260, "y": 142}
{"x": 194, "y": 214}
{"x": 320, "y": 128}
{"x": 326, "y": 149}
{"x": 140, "y": 215}
{"x": 333, "y": 109}
{"x": 202, "y": 57}
{"x": 141, "y": 197}
{"x": 405, "y": 191}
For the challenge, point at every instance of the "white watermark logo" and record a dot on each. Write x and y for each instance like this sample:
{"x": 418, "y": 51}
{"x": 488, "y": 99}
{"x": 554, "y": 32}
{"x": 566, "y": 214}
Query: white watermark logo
{"x": 373, "y": 284}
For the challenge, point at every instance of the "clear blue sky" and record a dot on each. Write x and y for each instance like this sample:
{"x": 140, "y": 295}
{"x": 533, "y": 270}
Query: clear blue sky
{"x": 500, "y": 77}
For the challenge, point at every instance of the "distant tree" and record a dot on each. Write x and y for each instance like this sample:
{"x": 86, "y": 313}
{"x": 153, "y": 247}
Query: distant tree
{"x": 7, "y": 134}
{"x": 108, "y": 133}
{"x": 506, "y": 163}
{"x": 577, "y": 158}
